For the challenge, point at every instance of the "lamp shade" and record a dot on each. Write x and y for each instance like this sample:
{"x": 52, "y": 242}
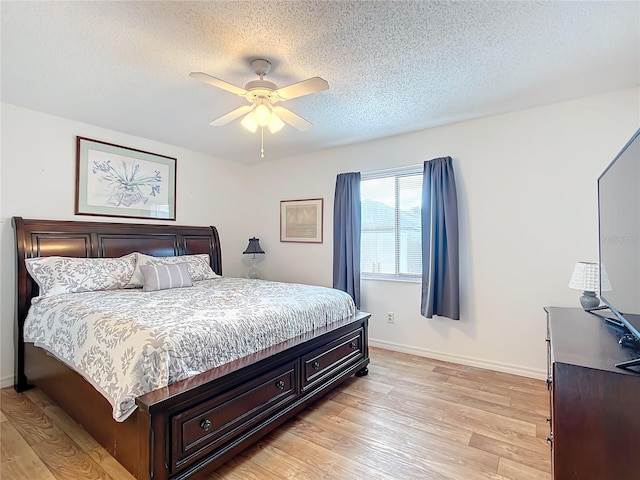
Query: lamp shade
{"x": 253, "y": 247}
{"x": 586, "y": 277}
{"x": 249, "y": 122}
{"x": 275, "y": 123}
{"x": 262, "y": 113}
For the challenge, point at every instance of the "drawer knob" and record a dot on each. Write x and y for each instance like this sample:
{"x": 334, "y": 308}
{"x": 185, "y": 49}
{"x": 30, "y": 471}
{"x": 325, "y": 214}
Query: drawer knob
{"x": 205, "y": 424}
{"x": 315, "y": 365}
{"x": 280, "y": 384}
{"x": 353, "y": 345}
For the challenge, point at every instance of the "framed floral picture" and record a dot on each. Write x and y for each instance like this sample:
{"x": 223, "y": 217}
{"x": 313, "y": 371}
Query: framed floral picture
{"x": 116, "y": 181}
{"x": 301, "y": 220}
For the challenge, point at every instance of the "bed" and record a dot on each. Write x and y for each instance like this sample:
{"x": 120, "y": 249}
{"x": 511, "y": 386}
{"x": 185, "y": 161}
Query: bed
{"x": 192, "y": 426}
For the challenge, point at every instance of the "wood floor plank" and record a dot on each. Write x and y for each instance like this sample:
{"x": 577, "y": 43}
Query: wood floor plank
{"x": 31, "y": 422}
{"x": 340, "y": 462}
{"x": 543, "y": 429}
{"x": 532, "y": 442}
{"x": 513, "y": 411}
{"x": 521, "y": 455}
{"x": 326, "y": 463}
{"x": 410, "y": 418}
{"x": 109, "y": 464}
{"x": 375, "y": 369}
{"x": 17, "y": 460}
{"x": 62, "y": 456}
{"x": 278, "y": 464}
{"x": 401, "y": 418}
{"x": 517, "y": 471}
{"x": 417, "y": 385}
{"x": 67, "y": 461}
{"x": 462, "y": 415}
{"x": 434, "y": 453}
{"x": 243, "y": 467}
{"x": 535, "y": 402}
{"x": 497, "y": 379}
{"x": 315, "y": 432}
{"x": 38, "y": 398}
{"x": 78, "y": 434}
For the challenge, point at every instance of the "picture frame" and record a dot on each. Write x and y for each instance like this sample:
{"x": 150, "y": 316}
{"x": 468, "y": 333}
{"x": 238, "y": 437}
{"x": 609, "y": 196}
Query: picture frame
{"x": 301, "y": 220}
{"x": 117, "y": 181}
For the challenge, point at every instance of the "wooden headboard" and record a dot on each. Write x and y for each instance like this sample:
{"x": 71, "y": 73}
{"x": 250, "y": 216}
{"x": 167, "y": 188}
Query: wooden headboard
{"x": 45, "y": 238}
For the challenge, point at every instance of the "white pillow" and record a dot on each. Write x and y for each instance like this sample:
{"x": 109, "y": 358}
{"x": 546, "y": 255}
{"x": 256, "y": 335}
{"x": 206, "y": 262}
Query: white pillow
{"x": 197, "y": 265}
{"x": 57, "y": 275}
{"x": 162, "y": 277}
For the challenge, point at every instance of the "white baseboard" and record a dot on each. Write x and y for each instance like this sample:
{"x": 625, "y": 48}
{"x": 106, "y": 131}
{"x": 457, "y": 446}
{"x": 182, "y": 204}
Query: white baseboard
{"x": 6, "y": 381}
{"x": 472, "y": 362}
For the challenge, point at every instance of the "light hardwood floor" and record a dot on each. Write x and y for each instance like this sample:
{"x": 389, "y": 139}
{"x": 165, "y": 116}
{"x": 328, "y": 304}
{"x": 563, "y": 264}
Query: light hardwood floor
{"x": 410, "y": 418}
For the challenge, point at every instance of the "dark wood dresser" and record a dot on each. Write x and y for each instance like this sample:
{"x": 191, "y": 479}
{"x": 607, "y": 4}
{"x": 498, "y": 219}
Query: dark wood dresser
{"x": 595, "y": 406}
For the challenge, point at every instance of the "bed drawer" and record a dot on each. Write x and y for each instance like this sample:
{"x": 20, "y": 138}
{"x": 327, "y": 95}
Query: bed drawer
{"x": 338, "y": 354}
{"x": 199, "y": 430}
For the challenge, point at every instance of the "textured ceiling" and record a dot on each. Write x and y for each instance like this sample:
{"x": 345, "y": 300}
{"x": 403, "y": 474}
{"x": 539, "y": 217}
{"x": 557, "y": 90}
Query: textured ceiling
{"x": 392, "y": 67}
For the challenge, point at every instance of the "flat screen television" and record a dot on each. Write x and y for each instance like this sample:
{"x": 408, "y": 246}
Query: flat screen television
{"x": 619, "y": 241}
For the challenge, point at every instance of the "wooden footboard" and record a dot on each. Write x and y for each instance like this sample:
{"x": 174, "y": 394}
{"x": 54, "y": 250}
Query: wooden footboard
{"x": 211, "y": 420}
{"x": 189, "y": 428}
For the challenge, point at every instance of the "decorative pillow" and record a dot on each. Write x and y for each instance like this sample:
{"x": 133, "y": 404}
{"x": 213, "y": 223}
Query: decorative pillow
{"x": 162, "y": 277}
{"x": 58, "y": 275}
{"x": 198, "y": 266}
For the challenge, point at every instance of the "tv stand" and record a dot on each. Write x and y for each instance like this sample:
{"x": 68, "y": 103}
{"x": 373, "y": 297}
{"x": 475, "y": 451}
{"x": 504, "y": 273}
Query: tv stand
{"x": 594, "y": 422}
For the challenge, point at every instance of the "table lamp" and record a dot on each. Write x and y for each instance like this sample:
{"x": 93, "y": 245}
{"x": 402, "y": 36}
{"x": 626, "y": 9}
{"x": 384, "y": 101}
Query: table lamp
{"x": 586, "y": 277}
{"x": 252, "y": 249}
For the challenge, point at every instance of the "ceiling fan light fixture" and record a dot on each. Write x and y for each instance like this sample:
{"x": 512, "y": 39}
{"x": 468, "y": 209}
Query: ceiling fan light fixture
{"x": 275, "y": 123}
{"x": 262, "y": 95}
{"x": 262, "y": 114}
{"x": 249, "y": 122}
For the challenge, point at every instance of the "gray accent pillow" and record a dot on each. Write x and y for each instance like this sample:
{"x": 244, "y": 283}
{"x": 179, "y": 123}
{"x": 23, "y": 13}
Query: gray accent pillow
{"x": 162, "y": 277}
{"x": 198, "y": 266}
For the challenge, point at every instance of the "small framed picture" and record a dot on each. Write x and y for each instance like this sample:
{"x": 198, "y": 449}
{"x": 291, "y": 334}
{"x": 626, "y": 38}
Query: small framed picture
{"x": 116, "y": 181}
{"x": 301, "y": 220}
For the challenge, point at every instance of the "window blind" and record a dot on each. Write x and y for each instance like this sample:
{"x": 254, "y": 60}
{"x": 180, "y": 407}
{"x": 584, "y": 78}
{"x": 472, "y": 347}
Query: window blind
{"x": 391, "y": 239}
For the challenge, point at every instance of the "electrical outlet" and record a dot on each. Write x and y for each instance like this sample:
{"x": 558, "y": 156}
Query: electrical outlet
{"x": 390, "y": 317}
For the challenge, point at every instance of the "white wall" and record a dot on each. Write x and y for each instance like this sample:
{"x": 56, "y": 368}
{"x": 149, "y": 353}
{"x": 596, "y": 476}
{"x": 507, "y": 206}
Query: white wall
{"x": 528, "y": 211}
{"x": 527, "y": 198}
{"x": 38, "y": 181}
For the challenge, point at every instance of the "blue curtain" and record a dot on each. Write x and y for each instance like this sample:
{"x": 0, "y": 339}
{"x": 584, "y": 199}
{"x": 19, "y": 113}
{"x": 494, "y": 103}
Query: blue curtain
{"x": 346, "y": 235}
{"x": 440, "y": 271}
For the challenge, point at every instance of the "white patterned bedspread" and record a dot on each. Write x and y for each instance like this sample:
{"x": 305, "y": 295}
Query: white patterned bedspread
{"x": 129, "y": 342}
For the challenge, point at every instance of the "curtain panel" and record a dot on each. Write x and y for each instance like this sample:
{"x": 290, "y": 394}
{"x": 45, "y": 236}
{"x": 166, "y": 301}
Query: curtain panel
{"x": 347, "y": 214}
{"x": 440, "y": 263}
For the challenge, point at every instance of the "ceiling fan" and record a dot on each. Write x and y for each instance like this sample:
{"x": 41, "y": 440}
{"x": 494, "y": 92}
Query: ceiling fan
{"x": 262, "y": 96}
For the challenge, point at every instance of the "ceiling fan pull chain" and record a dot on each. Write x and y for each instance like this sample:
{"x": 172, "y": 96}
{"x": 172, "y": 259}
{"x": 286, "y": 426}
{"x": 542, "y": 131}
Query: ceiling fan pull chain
{"x": 261, "y": 142}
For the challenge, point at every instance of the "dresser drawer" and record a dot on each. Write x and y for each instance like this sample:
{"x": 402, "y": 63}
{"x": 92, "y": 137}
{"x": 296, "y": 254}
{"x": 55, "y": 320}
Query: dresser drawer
{"x": 338, "y": 354}
{"x": 198, "y": 431}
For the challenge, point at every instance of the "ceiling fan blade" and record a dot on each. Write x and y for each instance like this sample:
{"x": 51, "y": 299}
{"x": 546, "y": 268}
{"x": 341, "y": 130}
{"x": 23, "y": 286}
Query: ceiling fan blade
{"x": 305, "y": 87}
{"x": 292, "y": 119}
{"x": 216, "y": 82}
{"x": 232, "y": 115}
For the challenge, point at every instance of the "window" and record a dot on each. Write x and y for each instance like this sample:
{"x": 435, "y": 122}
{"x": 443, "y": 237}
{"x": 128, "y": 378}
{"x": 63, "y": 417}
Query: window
{"x": 391, "y": 231}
